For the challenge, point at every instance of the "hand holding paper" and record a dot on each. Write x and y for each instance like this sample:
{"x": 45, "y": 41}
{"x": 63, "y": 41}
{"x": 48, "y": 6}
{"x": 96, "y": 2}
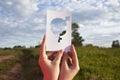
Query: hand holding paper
{"x": 51, "y": 67}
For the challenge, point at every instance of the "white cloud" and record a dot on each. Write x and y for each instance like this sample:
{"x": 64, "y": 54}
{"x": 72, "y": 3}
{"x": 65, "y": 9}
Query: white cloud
{"x": 99, "y": 19}
{"x": 113, "y": 2}
{"x": 39, "y": 20}
{"x": 93, "y": 1}
{"x": 108, "y": 23}
{"x": 18, "y": 8}
{"x": 9, "y": 3}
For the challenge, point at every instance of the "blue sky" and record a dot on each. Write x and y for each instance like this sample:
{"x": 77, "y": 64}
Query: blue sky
{"x": 23, "y": 22}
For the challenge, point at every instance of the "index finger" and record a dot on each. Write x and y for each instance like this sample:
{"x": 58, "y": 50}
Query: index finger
{"x": 74, "y": 56}
{"x": 42, "y": 48}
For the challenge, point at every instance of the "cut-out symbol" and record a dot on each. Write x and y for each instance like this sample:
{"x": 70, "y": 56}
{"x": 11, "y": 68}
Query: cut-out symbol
{"x": 61, "y": 34}
{"x": 58, "y": 27}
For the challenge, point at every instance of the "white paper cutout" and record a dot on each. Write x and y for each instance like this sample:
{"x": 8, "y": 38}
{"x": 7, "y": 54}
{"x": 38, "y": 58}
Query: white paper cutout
{"x": 62, "y": 40}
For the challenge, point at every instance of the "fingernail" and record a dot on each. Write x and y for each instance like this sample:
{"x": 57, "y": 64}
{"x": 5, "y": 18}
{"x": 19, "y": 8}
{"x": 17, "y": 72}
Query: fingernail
{"x": 61, "y": 50}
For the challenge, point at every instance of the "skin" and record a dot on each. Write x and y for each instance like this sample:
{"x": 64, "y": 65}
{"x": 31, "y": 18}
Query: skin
{"x": 50, "y": 68}
{"x": 69, "y": 65}
{"x": 60, "y": 66}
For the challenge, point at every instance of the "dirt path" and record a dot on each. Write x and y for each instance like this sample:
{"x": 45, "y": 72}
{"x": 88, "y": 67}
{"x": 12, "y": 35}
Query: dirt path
{"x": 15, "y": 73}
{"x": 2, "y": 58}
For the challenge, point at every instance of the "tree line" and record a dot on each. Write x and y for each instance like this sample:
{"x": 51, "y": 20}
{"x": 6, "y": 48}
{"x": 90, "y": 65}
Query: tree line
{"x": 115, "y": 44}
{"x": 77, "y": 39}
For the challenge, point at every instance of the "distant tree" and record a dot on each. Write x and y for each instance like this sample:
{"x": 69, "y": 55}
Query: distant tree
{"x": 76, "y": 38}
{"x": 89, "y": 45}
{"x": 6, "y": 48}
{"x": 16, "y": 47}
{"x": 115, "y": 44}
{"x": 37, "y": 46}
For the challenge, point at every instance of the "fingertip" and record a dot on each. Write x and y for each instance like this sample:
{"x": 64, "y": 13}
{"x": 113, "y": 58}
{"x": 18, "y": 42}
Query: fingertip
{"x": 58, "y": 56}
{"x": 72, "y": 46}
{"x": 60, "y": 51}
{"x": 44, "y": 38}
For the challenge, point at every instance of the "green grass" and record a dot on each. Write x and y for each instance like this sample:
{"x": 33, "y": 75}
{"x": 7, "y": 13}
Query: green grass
{"x": 95, "y": 63}
{"x": 98, "y": 63}
{"x": 15, "y": 52}
{"x": 7, "y": 64}
{"x": 31, "y": 69}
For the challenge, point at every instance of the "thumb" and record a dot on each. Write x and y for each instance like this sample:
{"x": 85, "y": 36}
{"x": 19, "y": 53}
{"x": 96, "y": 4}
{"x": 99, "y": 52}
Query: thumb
{"x": 64, "y": 61}
{"x": 58, "y": 56}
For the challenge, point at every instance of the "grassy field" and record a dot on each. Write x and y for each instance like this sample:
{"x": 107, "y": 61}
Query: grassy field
{"x": 95, "y": 63}
{"x": 98, "y": 63}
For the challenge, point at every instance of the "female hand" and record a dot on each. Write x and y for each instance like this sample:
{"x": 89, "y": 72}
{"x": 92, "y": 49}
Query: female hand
{"x": 50, "y": 68}
{"x": 69, "y": 65}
